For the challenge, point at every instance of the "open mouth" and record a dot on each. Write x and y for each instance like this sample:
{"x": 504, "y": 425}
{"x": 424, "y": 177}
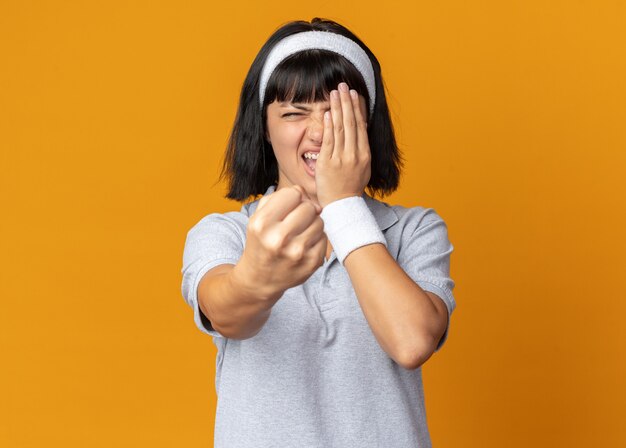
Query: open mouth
{"x": 310, "y": 163}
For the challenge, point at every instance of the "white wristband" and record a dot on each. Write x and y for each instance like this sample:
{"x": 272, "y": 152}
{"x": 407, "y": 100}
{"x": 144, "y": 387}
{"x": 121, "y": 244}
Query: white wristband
{"x": 349, "y": 224}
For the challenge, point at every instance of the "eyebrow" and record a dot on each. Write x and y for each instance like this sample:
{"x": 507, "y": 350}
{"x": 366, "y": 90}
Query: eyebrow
{"x": 296, "y": 105}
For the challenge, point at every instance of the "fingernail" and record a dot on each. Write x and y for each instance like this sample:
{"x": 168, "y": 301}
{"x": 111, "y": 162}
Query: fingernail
{"x": 334, "y": 94}
{"x": 327, "y": 115}
{"x": 353, "y": 93}
{"x": 343, "y": 86}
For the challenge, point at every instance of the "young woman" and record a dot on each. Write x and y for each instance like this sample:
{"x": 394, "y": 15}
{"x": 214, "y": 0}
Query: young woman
{"x": 323, "y": 302}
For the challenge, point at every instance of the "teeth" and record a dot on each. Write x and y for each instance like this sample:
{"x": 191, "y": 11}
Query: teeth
{"x": 310, "y": 155}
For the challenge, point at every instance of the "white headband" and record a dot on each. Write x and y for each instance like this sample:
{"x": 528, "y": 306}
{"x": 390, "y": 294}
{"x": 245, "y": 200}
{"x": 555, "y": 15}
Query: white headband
{"x": 322, "y": 40}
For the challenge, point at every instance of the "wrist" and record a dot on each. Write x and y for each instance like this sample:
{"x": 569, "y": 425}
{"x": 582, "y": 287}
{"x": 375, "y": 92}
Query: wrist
{"x": 242, "y": 280}
{"x": 349, "y": 224}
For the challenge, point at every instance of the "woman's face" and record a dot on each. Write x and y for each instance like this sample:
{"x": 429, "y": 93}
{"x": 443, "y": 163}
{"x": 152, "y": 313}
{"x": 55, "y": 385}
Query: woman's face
{"x": 296, "y": 129}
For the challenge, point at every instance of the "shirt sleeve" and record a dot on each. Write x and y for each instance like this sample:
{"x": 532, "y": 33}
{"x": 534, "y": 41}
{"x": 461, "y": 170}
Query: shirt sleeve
{"x": 425, "y": 257}
{"x": 217, "y": 239}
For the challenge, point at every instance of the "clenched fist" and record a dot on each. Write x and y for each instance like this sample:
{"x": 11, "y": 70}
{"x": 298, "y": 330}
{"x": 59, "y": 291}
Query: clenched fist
{"x": 285, "y": 243}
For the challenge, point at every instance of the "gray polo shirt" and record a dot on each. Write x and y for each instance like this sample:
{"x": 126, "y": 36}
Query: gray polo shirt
{"x": 315, "y": 375}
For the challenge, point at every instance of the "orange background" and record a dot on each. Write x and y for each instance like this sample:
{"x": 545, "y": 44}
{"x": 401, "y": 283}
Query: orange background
{"x": 113, "y": 121}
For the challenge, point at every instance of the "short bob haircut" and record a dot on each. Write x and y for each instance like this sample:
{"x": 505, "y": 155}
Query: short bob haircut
{"x": 306, "y": 76}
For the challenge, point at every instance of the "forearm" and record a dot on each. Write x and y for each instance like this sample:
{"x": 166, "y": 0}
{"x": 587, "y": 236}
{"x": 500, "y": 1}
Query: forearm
{"x": 236, "y": 311}
{"x": 401, "y": 315}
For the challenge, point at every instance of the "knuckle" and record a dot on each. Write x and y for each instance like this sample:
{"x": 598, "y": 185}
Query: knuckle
{"x": 349, "y": 158}
{"x": 297, "y": 252}
{"x": 255, "y": 225}
{"x": 273, "y": 242}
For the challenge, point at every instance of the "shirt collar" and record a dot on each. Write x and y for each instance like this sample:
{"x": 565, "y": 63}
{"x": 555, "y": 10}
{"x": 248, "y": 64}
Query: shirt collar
{"x": 383, "y": 213}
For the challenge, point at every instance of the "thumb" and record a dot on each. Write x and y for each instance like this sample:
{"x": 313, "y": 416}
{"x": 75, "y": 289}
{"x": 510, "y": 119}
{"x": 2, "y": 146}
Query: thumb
{"x": 301, "y": 190}
{"x": 306, "y": 197}
{"x": 262, "y": 202}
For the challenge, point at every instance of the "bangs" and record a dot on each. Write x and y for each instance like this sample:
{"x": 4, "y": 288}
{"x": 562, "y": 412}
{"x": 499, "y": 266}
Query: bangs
{"x": 309, "y": 76}
{"x": 250, "y": 165}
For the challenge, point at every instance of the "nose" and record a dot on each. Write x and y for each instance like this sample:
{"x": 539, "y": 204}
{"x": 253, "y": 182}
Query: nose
{"x": 316, "y": 130}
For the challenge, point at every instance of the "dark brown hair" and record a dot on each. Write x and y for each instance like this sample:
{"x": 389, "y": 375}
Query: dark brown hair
{"x": 250, "y": 165}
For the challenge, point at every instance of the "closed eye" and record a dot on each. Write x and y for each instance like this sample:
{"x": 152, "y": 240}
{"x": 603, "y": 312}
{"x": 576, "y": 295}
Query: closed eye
{"x": 290, "y": 114}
